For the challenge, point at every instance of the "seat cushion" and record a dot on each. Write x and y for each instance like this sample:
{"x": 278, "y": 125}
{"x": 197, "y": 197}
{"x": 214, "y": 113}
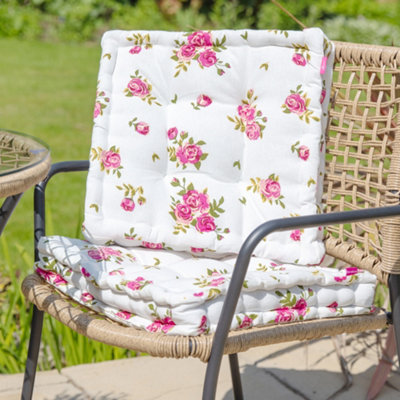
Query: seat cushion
{"x": 178, "y": 293}
{"x": 200, "y": 137}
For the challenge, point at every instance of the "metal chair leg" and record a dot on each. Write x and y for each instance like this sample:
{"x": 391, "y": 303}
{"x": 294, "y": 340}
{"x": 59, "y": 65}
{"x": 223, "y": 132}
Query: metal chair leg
{"x": 235, "y": 374}
{"x": 394, "y": 288}
{"x": 33, "y": 354}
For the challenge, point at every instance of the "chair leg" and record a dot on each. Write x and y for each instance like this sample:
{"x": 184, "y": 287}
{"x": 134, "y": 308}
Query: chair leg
{"x": 235, "y": 374}
{"x": 394, "y": 288}
{"x": 33, "y": 354}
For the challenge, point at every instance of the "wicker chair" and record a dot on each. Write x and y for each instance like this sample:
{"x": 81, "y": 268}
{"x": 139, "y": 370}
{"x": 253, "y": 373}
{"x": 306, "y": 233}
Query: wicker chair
{"x": 362, "y": 176}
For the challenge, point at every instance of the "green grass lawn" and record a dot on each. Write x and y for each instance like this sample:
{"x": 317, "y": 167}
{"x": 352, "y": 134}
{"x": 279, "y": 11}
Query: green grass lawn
{"x": 46, "y": 90}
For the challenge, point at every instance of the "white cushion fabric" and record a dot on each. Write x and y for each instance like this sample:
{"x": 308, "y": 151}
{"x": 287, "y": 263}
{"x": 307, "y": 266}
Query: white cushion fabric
{"x": 178, "y": 293}
{"x": 199, "y": 138}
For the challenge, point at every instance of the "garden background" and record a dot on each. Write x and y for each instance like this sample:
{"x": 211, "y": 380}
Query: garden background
{"x": 49, "y": 55}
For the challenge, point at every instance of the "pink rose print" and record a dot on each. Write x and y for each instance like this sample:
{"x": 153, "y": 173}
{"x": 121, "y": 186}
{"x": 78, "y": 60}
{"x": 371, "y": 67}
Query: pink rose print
{"x": 198, "y": 202}
{"x": 203, "y": 325}
{"x": 186, "y": 52}
{"x": 200, "y": 39}
{"x": 135, "y": 50}
{"x": 86, "y": 297}
{"x": 205, "y": 223}
{"x": 184, "y": 150}
{"x": 303, "y": 152}
{"x": 183, "y": 214}
{"x": 199, "y": 47}
{"x": 195, "y": 210}
{"x": 97, "y": 110}
{"x": 155, "y": 246}
{"x": 249, "y": 119}
{"x": 198, "y": 294}
{"x": 172, "y": 133}
{"x": 269, "y": 189}
{"x": 203, "y": 100}
{"x": 323, "y": 65}
{"x": 116, "y": 272}
{"x": 301, "y": 307}
{"x": 351, "y": 271}
{"x": 110, "y": 160}
{"x": 128, "y": 204}
{"x": 85, "y": 273}
{"x": 142, "y": 128}
{"x": 296, "y": 235}
{"x": 333, "y": 306}
{"x": 299, "y": 59}
{"x": 130, "y": 193}
{"x": 124, "y": 315}
{"x": 189, "y": 153}
{"x": 161, "y": 325}
{"x": 196, "y": 250}
{"x": 138, "y": 284}
{"x": 138, "y": 88}
{"x": 207, "y": 58}
{"x": 323, "y": 94}
{"x": 51, "y": 277}
{"x": 284, "y": 314}
{"x": 247, "y": 322}
{"x": 104, "y": 254}
{"x": 297, "y": 103}
{"x": 212, "y": 281}
{"x": 253, "y": 131}
{"x": 339, "y": 278}
{"x": 246, "y": 112}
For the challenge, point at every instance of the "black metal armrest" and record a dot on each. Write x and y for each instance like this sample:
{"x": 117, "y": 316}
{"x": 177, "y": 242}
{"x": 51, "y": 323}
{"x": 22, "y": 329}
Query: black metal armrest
{"x": 39, "y": 194}
{"x": 242, "y": 264}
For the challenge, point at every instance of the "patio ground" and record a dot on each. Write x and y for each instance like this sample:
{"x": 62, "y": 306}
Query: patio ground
{"x": 296, "y": 370}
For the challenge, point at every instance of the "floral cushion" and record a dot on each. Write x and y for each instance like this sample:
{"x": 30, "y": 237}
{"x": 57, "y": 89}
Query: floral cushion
{"x": 177, "y": 293}
{"x": 200, "y": 137}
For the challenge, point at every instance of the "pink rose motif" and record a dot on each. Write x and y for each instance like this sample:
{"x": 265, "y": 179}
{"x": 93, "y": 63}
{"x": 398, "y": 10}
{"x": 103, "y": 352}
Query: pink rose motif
{"x": 299, "y": 59}
{"x": 85, "y": 273}
{"x": 167, "y": 324}
{"x": 333, "y": 306}
{"x": 183, "y": 214}
{"x": 137, "y": 284}
{"x": 116, "y": 272}
{"x": 196, "y": 250}
{"x": 110, "y": 159}
{"x": 200, "y": 39}
{"x": 296, "y": 235}
{"x": 198, "y": 294}
{"x": 217, "y": 281}
{"x": 128, "y": 204}
{"x": 295, "y": 103}
{"x": 142, "y": 128}
{"x": 323, "y": 94}
{"x": 96, "y": 254}
{"x": 205, "y": 223}
{"x": 59, "y": 280}
{"x": 103, "y": 253}
{"x": 124, "y": 315}
{"x": 189, "y": 153}
{"x": 246, "y": 323}
{"x": 97, "y": 110}
{"x": 339, "y": 278}
{"x": 284, "y": 314}
{"x": 86, "y": 297}
{"x": 135, "y": 50}
{"x": 253, "y": 131}
{"x": 351, "y": 271}
{"x": 138, "y": 88}
{"x": 155, "y": 326}
{"x": 304, "y": 152}
{"x": 323, "y": 65}
{"x": 155, "y": 246}
{"x": 172, "y": 132}
{"x": 196, "y": 201}
{"x": 301, "y": 307}
{"x": 203, "y": 324}
{"x": 270, "y": 188}
{"x": 186, "y": 52}
{"x": 207, "y": 58}
{"x": 47, "y": 275}
{"x": 203, "y": 100}
{"x": 246, "y": 112}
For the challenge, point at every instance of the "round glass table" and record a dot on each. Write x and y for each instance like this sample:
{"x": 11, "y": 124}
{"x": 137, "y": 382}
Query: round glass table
{"x": 24, "y": 162}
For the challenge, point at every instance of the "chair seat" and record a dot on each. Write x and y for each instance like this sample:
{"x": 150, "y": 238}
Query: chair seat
{"x": 177, "y": 293}
{"x": 101, "y": 328}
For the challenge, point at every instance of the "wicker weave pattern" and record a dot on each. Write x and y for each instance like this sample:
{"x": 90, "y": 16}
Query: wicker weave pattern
{"x": 362, "y": 169}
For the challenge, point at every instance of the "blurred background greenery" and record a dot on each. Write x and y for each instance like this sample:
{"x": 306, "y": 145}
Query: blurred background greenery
{"x": 49, "y": 53}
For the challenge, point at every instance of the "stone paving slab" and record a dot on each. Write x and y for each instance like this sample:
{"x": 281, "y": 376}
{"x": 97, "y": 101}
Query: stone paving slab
{"x": 296, "y": 370}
